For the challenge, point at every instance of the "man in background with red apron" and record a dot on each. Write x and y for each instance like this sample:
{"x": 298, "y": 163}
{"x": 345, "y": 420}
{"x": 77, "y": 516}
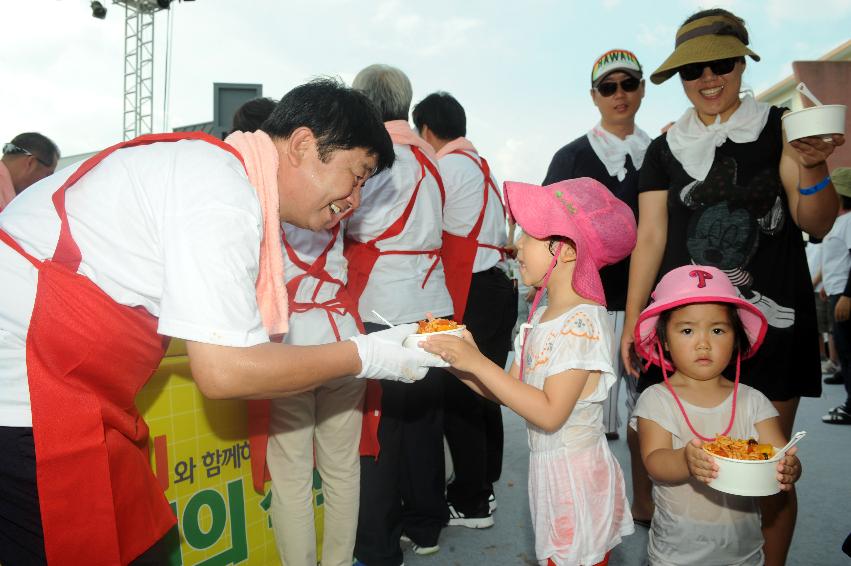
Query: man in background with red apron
{"x": 485, "y": 301}
{"x": 393, "y": 246}
{"x": 164, "y": 235}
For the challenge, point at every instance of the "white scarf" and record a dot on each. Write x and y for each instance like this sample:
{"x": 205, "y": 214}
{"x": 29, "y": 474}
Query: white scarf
{"x": 693, "y": 143}
{"x": 612, "y": 150}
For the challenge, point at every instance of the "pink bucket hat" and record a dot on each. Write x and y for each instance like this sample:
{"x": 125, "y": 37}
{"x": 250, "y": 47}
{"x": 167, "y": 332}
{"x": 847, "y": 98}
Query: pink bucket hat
{"x": 600, "y": 224}
{"x": 688, "y": 285}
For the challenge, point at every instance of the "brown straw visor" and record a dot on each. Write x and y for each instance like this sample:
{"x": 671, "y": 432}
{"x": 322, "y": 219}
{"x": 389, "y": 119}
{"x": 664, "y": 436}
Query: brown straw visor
{"x": 698, "y": 42}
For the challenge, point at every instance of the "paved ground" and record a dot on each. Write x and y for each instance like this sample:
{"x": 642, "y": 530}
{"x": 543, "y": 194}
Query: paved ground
{"x": 824, "y": 494}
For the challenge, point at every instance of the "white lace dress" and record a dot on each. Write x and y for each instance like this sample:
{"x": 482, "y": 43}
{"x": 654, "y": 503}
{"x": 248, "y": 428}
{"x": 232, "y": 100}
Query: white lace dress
{"x": 576, "y": 488}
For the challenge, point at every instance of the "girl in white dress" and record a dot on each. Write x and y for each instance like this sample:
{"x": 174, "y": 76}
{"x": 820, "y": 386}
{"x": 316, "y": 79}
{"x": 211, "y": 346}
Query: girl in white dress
{"x": 576, "y": 488}
{"x": 694, "y": 327}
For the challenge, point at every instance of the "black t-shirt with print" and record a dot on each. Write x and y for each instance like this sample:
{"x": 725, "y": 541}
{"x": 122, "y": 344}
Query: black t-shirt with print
{"x": 738, "y": 220}
{"x": 577, "y": 159}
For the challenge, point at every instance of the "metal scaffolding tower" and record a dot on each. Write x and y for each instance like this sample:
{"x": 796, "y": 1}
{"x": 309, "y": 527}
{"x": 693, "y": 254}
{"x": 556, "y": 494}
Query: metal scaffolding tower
{"x": 138, "y": 65}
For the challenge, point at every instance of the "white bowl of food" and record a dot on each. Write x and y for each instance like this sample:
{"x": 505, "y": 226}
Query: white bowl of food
{"x": 819, "y": 121}
{"x": 431, "y": 328}
{"x": 749, "y": 468}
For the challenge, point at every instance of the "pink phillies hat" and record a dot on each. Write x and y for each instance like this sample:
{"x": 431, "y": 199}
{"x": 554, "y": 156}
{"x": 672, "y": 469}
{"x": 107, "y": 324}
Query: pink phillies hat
{"x": 688, "y": 285}
{"x": 600, "y": 224}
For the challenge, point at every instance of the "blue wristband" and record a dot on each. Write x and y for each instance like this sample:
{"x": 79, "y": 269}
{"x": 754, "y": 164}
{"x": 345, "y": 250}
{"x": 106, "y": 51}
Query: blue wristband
{"x": 815, "y": 188}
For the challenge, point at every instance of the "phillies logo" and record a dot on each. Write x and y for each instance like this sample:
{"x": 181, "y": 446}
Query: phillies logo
{"x": 701, "y": 276}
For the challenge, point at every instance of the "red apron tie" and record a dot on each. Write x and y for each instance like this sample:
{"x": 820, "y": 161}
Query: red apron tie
{"x": 459, "y": 252}
{"x": 341, "y": 304}
{"x": 362, "y": 257}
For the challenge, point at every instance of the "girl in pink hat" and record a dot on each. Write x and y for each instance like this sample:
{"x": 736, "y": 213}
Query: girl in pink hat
{"x": 576, "y": 488}
{"x": 696, "y": 327}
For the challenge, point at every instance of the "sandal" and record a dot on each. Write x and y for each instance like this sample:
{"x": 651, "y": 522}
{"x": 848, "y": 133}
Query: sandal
{"x": 837, "y": 415}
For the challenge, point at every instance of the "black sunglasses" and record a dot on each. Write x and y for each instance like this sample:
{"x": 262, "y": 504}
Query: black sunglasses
{"x": 694, "y": 71}
{"x": 610, "y": 87}
{"x": 11, "y": 148}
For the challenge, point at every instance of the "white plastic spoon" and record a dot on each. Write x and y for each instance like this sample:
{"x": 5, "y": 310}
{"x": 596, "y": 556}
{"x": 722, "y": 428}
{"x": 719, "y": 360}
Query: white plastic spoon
{"x": 384, "y": 320}
{"x": 795, "y": 438}
{"x": 802, "y": 88}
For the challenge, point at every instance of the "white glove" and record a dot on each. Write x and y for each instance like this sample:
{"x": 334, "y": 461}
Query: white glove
{"x": 382, "y": 355}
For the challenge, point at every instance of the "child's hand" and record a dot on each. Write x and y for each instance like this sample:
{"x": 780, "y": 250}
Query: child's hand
{"x": 700, "y": 464}
{"x": 461, "y": 353}
{"x": 789, "y": 469}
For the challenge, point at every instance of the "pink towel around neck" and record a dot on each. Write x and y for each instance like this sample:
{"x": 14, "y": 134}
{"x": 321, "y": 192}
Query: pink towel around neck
{"x": 261, "y": 162}
{"x": 458, "y": 143}
{"x": 401, "y": 133}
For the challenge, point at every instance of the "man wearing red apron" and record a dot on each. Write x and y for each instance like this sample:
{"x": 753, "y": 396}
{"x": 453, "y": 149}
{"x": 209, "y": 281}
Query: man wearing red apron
{"x": 322, "y": 425}
{"x": 473, "y": 252}
{"x": 393, "y": 247}
{"x": 155, "y": 237}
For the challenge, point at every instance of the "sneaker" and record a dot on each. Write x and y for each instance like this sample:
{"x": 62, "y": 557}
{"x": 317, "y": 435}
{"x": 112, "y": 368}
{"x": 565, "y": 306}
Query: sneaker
{"x": 421, "y": 550}
{"x": 835, "y": 379}
{"x": 424, "y": 550}
{"x": 481, "y": 520}
{"x": 838, "y": 415}
{"x": 492, "y": 503}
{"x": 828, "y": 366}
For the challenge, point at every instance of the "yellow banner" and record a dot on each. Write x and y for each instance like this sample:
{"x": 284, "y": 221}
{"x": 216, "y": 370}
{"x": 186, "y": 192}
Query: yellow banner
{"x": 200, "y": 454}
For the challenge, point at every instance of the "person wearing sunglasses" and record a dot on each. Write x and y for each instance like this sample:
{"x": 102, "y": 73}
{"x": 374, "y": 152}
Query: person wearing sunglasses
{"x": 722, "y": 187}
{"x": 612, "y": 152}
{"x": 27, "y": 159}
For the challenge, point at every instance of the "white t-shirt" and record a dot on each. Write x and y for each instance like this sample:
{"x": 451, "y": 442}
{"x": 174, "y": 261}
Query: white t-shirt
{"x": 464, "y": 184}
{"x": 835, "y": 258}
{"x": 814, "y": 254}
{"x": 172, "y": 227}
{"x": 694, "y": 524}
{"x": 312, "y": 326}
{"x": 395, "y": 287}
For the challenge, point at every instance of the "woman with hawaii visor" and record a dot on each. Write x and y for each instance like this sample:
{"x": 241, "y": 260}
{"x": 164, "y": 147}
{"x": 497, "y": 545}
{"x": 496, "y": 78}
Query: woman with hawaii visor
{"x": 723, "y": 188}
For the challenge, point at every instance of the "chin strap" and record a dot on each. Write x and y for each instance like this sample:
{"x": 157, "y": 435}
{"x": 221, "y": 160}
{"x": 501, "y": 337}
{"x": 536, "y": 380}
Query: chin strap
{"x": 680, "y": 405}
{"x": 524, "y": 328}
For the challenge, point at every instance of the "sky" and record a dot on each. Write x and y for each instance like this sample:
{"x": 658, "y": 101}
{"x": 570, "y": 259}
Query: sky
{"x": 520, "y": 69}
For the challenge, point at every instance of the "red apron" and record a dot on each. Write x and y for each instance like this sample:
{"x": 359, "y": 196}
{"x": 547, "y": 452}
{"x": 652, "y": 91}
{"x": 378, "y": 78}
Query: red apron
{"x": 342, "y": 303}
{"x": 459, "y": 252}
{"x": 362, "y": 257}
{"x": 87, "y": 357}
{"x": 259, "y": 412}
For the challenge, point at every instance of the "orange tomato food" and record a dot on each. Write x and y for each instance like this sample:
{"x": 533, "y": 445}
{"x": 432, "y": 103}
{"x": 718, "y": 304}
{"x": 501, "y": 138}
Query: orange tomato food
{"x": 739, "y": 449}
{"x": 436, "y": 325}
